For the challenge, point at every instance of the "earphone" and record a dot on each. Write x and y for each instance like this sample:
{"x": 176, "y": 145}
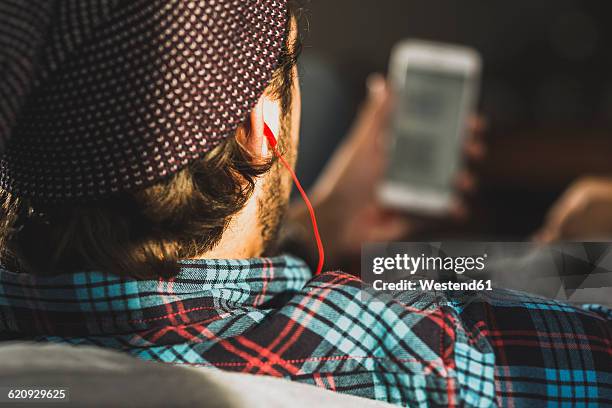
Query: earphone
{"x": 313, "y": 219}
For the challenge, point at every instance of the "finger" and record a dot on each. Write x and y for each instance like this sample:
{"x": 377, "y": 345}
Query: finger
{"x": 373, "y": 115}
{"x": 475, "y": 150}
{"x": 466, "y": 182}
{"x": 477, "y": 125}
{"x": 474, "y": 146}
{"x": 377, "y": 85}
{"x": 380, "y": 96}
{"x": 369, "y": 132}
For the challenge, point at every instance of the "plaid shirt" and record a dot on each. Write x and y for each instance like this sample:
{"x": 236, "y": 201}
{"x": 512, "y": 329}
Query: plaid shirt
{"x": 271, "y": 317}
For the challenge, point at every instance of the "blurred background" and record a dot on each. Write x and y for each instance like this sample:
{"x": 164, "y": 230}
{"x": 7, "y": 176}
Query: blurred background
{"x": 546, "y": 91}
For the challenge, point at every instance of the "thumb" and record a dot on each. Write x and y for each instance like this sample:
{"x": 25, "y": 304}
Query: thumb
{"x": 379, "y": 96}
{"x": 375, "y": 111}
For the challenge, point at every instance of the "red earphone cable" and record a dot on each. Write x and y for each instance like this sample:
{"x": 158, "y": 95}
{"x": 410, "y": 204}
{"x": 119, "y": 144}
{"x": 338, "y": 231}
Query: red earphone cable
{"x": 313, "y": 218}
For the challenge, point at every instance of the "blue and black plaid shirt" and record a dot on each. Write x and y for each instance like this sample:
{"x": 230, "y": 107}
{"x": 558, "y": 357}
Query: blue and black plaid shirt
{"x": 272, "y": 317}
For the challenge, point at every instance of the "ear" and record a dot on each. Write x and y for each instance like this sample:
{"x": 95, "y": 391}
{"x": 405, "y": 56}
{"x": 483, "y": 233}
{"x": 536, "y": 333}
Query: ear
{"x": 254, "y": 141}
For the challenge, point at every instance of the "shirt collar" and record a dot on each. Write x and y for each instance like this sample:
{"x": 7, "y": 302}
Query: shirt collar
{"x": 99, "y": 303}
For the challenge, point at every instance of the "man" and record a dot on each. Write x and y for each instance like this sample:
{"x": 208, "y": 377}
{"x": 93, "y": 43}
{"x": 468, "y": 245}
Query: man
{"x": 142, "y": 201}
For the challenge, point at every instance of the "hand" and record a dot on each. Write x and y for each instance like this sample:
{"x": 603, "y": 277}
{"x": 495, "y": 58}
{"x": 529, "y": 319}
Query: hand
{"x": 583, "y": 212}
{"x": 344, "y": 196}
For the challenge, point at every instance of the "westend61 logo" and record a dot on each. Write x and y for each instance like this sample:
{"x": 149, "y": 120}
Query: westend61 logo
{"x": 412, "y": 265}
{"x": 579, "y": 272}
{"x": 403, "y": 267}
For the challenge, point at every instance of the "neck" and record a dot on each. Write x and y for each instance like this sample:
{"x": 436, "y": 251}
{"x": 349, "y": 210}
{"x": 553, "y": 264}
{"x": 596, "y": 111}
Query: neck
{"x": 242, "y": 238}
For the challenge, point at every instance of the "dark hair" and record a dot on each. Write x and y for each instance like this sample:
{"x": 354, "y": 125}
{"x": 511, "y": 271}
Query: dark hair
{"x": 143, "y": 234}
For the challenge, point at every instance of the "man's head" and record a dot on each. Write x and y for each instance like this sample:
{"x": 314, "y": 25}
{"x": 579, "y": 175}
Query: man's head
{"x": 228, "y": 203}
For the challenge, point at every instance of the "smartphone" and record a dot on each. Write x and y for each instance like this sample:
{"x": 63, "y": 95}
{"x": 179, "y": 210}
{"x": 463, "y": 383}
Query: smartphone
{"x": 435, "y": 87}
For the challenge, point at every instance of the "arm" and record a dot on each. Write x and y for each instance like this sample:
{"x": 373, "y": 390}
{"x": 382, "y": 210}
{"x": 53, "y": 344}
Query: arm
{"x": 344, "y": 196}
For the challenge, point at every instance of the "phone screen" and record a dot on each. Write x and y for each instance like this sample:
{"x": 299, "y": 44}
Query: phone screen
{"x": 426, "y": 127}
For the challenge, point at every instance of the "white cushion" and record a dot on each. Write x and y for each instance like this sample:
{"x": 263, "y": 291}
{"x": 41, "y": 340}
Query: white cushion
{"x": 100, "y": 377}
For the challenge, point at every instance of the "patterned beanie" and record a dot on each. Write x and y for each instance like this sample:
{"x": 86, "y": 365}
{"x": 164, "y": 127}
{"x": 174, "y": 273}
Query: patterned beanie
{"x": 102, "y": 96}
